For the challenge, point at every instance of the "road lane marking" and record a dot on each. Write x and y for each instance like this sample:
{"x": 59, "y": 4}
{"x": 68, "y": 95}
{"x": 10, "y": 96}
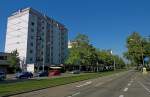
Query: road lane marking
{"x": 86, "y": 83}
{"x": 98, "y": 84}
{"x": 125, "y": 89}
{"x": 110, "y": 79}
{"x": 121, "y": 96}
{"x": 147, "y": 89}
{"x": 129, "y": 84}
{"x": 74, "y": 94}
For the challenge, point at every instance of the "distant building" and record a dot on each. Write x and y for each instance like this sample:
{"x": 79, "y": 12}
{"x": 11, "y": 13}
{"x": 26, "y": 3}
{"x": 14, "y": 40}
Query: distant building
{"x": 70, "y": 43}
{"x": 40, "y": 40}
{"x": 4, "y": 64}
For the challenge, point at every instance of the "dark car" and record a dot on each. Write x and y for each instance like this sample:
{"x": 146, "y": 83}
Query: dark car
{"x": 42, "y": 74}
{"x": 24, "y": 75}
{"x": 2, "y": 76}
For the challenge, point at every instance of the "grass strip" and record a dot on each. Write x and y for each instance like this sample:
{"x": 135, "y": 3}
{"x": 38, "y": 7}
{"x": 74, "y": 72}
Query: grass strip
{"x": 36, "y": 84}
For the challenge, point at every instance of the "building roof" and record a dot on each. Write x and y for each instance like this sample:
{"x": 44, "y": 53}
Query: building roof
{"x": 32, "y": 10}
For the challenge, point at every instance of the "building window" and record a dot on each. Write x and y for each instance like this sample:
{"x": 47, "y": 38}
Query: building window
{"x": 43, "y": 22}
{"x": 42, "y": 27}
{"x": 41, "y": 53}
{"x": 17, "y": 42}
{"x": 32, "y": 30}
{"x": 18, "y": 29}
{"x": 3, "y": 57}
{"x": 32, "y": 37}
{"x": 51, "y": 54}
{"x": 32, "y": 23}
{"x": 31, "y": 59}
{"x": 42, "y": 46}
{"x": 31, "y": 51}
{"x": 51, "y": 47}
{"x": 31, "y": 44}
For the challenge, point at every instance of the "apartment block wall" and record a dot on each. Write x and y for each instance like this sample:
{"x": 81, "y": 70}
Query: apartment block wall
{"x": 17, "y": 33}
{"x": 38, "y": 38}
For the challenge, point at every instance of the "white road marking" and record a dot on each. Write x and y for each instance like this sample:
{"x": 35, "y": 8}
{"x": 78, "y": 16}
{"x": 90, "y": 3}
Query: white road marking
{"x": 147, "y": 89}
{"x": 74, "y": 94}
{"x": 98, "y": 84}
{"x": 86, "y": 83}
{"x": 125, "y": 89}
{"x": 121, "y": 96}
{"x": 110, "y": 79}
{"x": 129, "y": 84}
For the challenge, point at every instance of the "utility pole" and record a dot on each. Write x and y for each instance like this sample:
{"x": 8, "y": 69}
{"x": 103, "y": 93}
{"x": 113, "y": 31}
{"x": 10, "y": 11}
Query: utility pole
{"x": 114, "y": 63}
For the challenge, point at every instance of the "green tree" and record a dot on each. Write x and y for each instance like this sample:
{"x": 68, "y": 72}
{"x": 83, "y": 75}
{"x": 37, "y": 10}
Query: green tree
{"x": 14, "y": 60}
{"x": 107, "y": 59}
{"x": 138, "y": 48}
{"x": 82, "y": 53}
{"x": 119, "y": 62}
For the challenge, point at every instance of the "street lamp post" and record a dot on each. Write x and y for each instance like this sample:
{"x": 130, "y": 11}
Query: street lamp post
{"x": 114, "y": 63}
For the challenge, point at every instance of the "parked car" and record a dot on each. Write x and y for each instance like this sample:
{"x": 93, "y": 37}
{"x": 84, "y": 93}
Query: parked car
{"x": 2, "y": 75}
{"x": 42, "y": 74}
{"x": 75, "y": 72}
{"x": 24, "y": 75}
{"x": 54, "y": 73}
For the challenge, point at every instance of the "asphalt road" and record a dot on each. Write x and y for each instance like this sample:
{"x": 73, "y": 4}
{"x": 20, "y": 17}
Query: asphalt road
{"x": 125, "y": 84}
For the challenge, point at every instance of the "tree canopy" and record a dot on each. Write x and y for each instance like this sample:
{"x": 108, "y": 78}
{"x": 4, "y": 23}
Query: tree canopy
{"x": 138, "y": 48}
{"x": 13, "y": 59}
{"x": 83, "y": 53}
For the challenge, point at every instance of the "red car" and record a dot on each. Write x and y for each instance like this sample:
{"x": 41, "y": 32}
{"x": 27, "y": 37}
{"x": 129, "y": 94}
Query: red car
{"x": 54, "y": 73}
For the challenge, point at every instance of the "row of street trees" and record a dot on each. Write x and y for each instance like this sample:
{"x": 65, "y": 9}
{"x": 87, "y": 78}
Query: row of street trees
{"x": 138, "y": 52}
{"x": 84, "y": 56}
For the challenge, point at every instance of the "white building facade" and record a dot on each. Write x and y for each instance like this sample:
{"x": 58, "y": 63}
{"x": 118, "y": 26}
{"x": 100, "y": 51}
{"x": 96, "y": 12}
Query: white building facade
{"x": 38, "y": 38}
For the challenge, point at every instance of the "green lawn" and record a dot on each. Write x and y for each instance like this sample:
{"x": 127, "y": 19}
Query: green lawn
{"x": 29, "y": 85}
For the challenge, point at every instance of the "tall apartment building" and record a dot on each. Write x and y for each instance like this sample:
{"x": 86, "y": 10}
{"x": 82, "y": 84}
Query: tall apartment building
{"x": 38, "y": 38}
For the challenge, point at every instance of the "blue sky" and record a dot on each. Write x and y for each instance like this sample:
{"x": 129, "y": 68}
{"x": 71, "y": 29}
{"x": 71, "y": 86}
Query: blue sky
{"x": 106, "y": 22}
